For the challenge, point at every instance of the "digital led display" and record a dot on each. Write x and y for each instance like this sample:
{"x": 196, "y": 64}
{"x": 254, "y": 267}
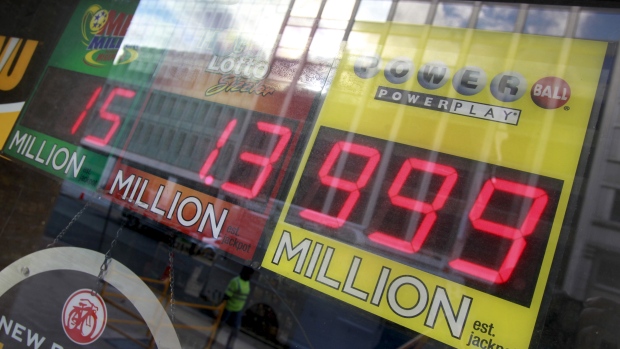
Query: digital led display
{"x": 433, "y": 197}
{"x": 219, "y": 152}
{"x": 68, "y": 96}
{"x": 482, "y": 225}
{"x": 230, "y": 151}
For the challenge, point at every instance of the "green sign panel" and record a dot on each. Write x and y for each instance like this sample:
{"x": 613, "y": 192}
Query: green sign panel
{"x": 57, "y": 157}
{"x": 93, "y": 40}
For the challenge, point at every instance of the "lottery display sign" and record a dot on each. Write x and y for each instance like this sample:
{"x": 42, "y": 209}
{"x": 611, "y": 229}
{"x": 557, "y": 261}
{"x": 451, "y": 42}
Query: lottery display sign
{"x": 48, "y": 132}
{"x": 208, "y": 130}
{"x": 437, "y": 177}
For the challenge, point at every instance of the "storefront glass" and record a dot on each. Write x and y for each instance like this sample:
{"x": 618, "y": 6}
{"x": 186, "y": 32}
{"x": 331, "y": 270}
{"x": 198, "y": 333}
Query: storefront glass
{"x": 396, "y": 174}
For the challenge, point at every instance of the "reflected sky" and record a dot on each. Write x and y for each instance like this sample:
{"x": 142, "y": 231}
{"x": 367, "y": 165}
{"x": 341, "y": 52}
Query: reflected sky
{"x": 186, "y": 26}
{"x": 452, "y": 15}
{"x": 190, "y": 25}
{"x": 546, "y": 21}
{"x": 599, "y": 25}
{"x": 497, "y": 17}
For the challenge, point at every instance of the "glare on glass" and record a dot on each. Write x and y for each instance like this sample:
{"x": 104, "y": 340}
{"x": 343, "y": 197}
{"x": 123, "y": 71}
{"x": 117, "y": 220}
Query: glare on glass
{"x": 373, "y": 10}
{"x": 338, "y": 9}
{"x": 414, "y": 12}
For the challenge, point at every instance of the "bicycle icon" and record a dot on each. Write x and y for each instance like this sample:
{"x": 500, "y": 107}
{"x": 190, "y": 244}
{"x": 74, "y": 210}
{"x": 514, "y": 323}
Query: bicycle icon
{"x": 84, "y": 316}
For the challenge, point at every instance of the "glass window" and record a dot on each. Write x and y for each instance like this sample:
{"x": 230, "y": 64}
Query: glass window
{"x": 326, "y": 42}
{"x": 338, "y": 9}
{"x": 295, "y": 37}
{"x": 614, "y": 214}
{"x": 336, "y": 14}
{"x": 414, "y": 12}
{"x": 452, "y": 14}
{"x": 438, "y": 180}
{"x": 599, "y": 25}
{"x": 546, "y": 21}
{"x": 614, "y": 149}
{"x": 607, "y": 272}
{"x": 497, "y": 17}
{"x": 306, "y": 8}
{"x": 373, "y": 10}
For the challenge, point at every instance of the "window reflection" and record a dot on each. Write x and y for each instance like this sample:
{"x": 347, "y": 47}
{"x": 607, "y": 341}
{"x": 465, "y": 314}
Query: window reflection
{"x": 183, "y": 129}
{"x": 338, "y": 9}
{"x": 306, "y": 8}
{"x": 294, "y": 37}
{"x": 326, "y": 42}
{"x": 361, "y": 43}
{"x": 606, "y": 272}
{"x": 546, "y": 21}
{"x": 497, "y": 17}
{"x": 195, "y": 27}
{"x": 336, "y": 14}
{"x": 450, "y": 14}
{"x": 293, "y": 42}
{"x": 373, "y": 10}
{"x": 614, "y": 210}
{"x": 414, "y": 12}
{"x": 614, "y": 151}
{"x": 599, "y": 25}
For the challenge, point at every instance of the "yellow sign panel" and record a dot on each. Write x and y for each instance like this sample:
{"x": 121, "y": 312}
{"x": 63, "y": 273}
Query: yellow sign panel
{"x": 8, "y": 116}
{"x": 437, "y": 177}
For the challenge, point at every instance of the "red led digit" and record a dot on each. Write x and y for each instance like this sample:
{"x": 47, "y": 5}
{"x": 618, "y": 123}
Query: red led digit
{"x": 214, "y": 154}
{"x": 104, "y": 114}
{"x": 352, "y": 187}
{"x": 429, "y": 210}
{"x": 89, "y": 105}
{"x": 264, "y": 162}
{"x": 540, "y": 199}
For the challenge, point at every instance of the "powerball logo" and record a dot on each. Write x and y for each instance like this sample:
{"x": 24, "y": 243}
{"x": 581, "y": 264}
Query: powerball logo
{"x": 509, "y": 86}
{"x": 103, "y": 32}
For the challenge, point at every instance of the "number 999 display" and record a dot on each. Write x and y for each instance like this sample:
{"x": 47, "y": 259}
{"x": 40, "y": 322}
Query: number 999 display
{"x": 479, "y": 224}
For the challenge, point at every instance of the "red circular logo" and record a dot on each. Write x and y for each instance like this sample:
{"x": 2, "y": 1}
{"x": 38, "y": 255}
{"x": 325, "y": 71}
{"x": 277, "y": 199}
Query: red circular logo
{"x": 84, "y": 316}
{"x": 550, "y": 92}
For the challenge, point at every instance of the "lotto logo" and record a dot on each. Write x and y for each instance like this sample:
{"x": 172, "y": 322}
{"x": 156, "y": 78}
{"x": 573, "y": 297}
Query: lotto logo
{"x": 507, "y": 86}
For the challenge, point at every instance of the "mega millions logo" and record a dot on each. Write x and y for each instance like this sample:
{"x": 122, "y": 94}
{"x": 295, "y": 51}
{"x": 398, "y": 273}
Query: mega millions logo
{"x": 103, "y": 32}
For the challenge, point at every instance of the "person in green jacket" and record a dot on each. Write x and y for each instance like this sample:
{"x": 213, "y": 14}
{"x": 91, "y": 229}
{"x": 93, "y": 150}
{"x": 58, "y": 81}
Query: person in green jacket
{"x": 235, "y": 296}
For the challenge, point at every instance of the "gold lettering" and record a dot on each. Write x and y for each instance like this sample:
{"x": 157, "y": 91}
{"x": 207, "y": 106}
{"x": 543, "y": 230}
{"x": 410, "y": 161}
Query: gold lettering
{"x": 8, "y": 62}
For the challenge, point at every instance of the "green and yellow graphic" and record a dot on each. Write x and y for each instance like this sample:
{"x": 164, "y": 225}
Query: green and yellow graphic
{"x": 103, "y": 32}
{"x": 93, "y": 41}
